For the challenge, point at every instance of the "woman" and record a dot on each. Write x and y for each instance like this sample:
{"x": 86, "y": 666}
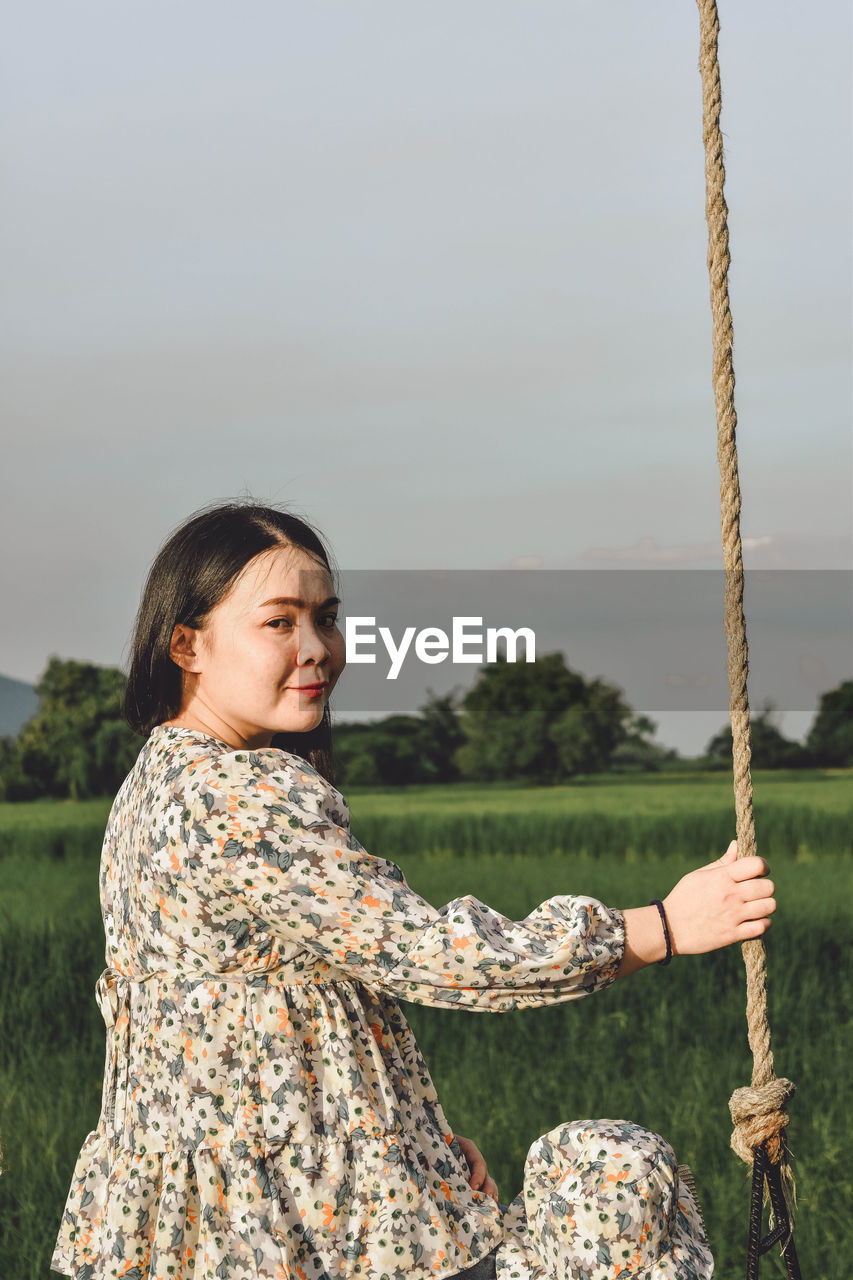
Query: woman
{"x": 266, "y": 1111}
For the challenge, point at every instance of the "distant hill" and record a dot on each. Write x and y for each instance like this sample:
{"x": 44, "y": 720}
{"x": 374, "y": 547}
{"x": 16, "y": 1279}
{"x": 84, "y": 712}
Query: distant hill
{"x": 18, "y": 702}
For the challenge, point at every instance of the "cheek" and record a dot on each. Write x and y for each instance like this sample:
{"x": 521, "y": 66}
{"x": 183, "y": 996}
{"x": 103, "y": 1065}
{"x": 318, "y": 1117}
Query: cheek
{"x": 339, "y": 652}
{"x": 280, "y": 656}
{"x": 268, "y": 656}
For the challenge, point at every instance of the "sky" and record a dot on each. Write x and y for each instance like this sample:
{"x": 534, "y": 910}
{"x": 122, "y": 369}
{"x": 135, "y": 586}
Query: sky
{"x": 432, "y": 276}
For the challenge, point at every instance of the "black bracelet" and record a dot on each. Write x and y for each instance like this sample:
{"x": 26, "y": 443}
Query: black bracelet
{"x": 656, "y": 902}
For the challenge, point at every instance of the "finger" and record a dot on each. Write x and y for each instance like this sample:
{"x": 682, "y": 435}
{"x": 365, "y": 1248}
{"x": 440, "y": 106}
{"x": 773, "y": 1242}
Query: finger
{"x": 752, "y": 889}
{"x": 761, "y": 907}
{"x": 753, "y": 929}
{"x": 748, "y": 868}
{"x": 468, "y": 1149}
{"x": 730, "y": 855}
{"x": 478, "y": 1173}
{"x": 490, "y": 1188}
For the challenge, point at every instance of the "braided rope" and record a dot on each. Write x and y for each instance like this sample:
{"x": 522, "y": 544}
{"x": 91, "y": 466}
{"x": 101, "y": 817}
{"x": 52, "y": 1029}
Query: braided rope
{"x": 758, "y": 1113}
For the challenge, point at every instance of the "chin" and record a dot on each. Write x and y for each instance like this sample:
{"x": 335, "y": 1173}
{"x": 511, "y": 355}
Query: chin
{"x": 306, "y": 725}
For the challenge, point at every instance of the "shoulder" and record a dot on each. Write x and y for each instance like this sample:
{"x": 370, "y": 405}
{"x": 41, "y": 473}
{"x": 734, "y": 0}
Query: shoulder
{"x": 276, "y": 779}
{"x": 269, "y": 769}
{"x": 224, "y": 795}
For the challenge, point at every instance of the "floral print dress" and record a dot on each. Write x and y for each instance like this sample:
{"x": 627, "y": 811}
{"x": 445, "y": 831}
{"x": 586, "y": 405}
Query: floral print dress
{"x": 266, "y": 1111}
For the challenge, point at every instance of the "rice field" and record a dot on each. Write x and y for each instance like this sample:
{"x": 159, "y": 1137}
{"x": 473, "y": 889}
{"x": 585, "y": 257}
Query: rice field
{"x": 664, "y": 1048}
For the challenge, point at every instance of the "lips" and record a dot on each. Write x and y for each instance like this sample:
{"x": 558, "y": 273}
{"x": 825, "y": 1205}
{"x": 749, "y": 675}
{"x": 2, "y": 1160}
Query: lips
{"x": 311, "y": 688}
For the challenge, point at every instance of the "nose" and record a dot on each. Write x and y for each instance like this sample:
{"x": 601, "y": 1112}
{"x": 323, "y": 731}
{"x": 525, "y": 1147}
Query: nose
{"x": 312, "y": 644}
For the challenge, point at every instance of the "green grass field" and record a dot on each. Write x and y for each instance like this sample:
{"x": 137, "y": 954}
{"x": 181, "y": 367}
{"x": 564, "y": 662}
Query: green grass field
{"x": 664, "y": 1048}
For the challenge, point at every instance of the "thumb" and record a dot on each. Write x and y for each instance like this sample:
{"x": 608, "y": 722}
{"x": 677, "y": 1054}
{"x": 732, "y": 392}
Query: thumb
{"x": 730, "y": 855}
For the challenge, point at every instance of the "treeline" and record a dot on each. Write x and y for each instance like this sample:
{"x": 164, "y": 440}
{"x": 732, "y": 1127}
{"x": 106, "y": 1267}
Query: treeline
{"x": 77, "y": 744}
{"x": 540, "y": 722}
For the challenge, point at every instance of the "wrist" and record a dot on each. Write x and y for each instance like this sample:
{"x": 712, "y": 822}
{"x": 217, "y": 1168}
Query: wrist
{"x": 645, "y": 943}
{"x": 659, "y": 907}
{"x": 673, "y": 921}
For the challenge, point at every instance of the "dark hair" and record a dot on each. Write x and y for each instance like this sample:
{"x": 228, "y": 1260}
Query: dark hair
{"x": 192, "y": 572}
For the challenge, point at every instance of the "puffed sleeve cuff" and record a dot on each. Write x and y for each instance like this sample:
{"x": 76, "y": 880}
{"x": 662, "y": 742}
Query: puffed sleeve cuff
{"x": 472, "y": 956}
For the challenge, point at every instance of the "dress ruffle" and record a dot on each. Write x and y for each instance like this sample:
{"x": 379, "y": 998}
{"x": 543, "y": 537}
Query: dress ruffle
{"x": 257, "y": 1208}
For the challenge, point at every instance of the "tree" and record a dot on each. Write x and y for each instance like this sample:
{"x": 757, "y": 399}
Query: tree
{"x": 830, "y": 739}
{"x": 539, "y": 720}
{"x": 13, "y": 784}
{"x": 400, "y": 749}
{"x": 441, "y": 736}
{"x": 77, "y": 744}
{"x": 637, "y": 751}
{"x": 385, "y": 752}
{"x": 395, "y": 745}
{"x": 770, "y": 749}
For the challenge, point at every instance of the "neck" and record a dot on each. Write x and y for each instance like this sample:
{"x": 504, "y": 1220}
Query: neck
{"x": 204, "y": 720}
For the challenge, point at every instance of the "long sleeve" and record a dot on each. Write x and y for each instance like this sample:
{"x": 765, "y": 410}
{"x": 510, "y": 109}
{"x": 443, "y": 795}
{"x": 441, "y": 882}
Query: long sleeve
{"x": 265, "y": 840}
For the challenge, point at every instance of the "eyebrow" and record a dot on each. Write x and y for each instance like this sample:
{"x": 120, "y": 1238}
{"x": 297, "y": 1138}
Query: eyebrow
{"x": 300, "y": 604}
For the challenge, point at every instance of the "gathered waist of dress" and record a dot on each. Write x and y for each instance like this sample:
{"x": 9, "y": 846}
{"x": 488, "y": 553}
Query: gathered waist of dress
{"x": 304, "y": 969}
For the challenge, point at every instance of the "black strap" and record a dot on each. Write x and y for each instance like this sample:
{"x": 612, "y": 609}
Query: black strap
{"x": 762, "y": 1169}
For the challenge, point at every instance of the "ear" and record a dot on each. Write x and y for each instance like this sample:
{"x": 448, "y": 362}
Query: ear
{"x": 183, "y": 648}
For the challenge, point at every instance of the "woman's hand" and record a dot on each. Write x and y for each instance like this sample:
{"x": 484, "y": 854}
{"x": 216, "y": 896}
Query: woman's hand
{"x": 480, "y": 1179}
{"x": 727, "y": 901}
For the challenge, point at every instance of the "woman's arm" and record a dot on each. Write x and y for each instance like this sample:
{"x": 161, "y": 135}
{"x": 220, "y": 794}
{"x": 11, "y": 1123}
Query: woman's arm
{"x": 264, "y": 854}
{"x": 260, "y": 841}
{"x": 727, "y": 901}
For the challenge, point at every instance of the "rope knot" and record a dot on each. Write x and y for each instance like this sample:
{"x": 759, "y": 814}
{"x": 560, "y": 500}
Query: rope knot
{"x": 759, "y": 1116}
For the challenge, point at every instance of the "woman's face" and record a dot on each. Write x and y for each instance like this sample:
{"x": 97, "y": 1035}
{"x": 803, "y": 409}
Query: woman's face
{"x": 250, "y": 669}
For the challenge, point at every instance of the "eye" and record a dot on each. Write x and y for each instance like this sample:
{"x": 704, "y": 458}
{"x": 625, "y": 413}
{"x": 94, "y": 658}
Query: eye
{"x": 329, "y": 620}
{"x": 277, "y": 622}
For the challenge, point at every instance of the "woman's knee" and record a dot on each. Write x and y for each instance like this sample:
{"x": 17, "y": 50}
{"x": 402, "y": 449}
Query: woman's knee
{"x": 578, "y": 1167}
{"x": 605, "y": 1194}
{"x": 617, "y": 1149}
